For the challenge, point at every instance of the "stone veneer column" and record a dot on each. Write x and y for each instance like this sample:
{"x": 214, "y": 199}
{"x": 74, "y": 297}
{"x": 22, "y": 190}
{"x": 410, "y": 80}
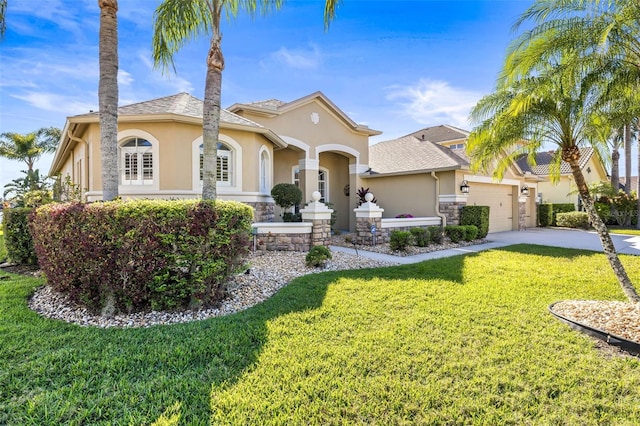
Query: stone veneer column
{"x": 367, "y": 215}
{"x": 522, "y": 213}
{"x": 320, "y": 216}
{"x": 451, "y": 205}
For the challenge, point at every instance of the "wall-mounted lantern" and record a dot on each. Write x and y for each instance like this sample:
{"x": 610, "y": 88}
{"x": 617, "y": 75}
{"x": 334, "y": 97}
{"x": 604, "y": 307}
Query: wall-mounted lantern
{"x": 464, "y": 187}
{"x": 524, "y": 190}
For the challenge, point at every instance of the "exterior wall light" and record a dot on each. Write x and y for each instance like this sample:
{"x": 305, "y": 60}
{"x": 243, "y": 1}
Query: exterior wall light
{"x": 464, "y": 187}
{"x": 524, "y": 190}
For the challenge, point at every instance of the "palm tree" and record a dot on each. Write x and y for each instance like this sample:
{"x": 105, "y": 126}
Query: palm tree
{"x": 177, "y": 21}
{"x": 550, "y": 105}
{"x": 30, "y": 147}
{"x": 3, "y": 22}
{"x": 108, "y": 97}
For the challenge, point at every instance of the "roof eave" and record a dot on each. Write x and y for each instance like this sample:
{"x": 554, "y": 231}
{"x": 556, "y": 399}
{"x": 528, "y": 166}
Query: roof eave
{"x": 412, "y": 172}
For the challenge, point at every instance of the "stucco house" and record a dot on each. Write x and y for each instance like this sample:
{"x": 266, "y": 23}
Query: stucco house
{"x": 565, "y": 189}
{"x": 422, "y": 174}
{"x": 309, "y": 142}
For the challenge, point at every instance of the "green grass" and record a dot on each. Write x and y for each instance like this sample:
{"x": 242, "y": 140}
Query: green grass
{"x": 462, "y": 340}
{"x": 625, "y": 231}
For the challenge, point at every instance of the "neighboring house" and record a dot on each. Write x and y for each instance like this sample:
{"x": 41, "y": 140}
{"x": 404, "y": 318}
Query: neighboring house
{"x": 422, "y": 174}
{"x": 564, "y": 190}
{"x": 309, "y": 141}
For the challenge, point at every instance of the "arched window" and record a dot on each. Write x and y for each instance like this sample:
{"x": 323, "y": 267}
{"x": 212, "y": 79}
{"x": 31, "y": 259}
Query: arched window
{"x": 224, "y": 169}
{"x": 136, "y": 162}
{"x": 265, "y": 181}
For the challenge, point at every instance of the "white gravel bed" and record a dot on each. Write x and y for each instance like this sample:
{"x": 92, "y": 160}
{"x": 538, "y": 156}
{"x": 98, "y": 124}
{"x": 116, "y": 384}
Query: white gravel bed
{"x": 621, "y": 319}
{"x": 268, "y": 273}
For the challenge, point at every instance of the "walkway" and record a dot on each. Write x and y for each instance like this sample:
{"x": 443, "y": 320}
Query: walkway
{"x": 568, "y": 238}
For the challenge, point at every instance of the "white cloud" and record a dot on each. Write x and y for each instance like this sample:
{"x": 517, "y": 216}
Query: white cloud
{"x": 430, "y": 102}
{"x": 298, "y": 58}
{"x": 54, "y": 102}
{"x": 124, "y": 78}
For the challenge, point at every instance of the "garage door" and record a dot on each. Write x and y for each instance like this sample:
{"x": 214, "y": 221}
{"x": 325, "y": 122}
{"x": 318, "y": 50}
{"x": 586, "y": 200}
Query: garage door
{"x": 499, "y": 198}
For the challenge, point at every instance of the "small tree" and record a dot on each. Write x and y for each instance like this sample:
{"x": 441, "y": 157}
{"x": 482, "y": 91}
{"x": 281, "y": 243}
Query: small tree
{"x": 286, "y": 195}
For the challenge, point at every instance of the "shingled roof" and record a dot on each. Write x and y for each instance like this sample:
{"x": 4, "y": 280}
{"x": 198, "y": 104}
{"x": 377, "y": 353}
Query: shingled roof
{"x": 410, "y": 154}
{"x": 442, "y": 133}
{"x": 180, "y": 104}
{"x": 545, "y": 159}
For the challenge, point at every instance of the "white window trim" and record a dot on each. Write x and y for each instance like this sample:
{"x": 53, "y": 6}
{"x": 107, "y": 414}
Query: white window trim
{"x": 264, "y": 181}
{"x": 327, "y": 195}
{"x": 125, "y": 135}
{"x": 236, "y": 164}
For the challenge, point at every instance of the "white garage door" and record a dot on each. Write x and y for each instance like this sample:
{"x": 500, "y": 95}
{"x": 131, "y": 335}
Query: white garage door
{"x": 499, "y": 198}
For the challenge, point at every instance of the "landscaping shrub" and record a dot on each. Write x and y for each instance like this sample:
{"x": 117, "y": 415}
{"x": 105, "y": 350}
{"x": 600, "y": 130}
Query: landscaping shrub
{"x": 456, "y": 233}
{"x": 141, "y": 255}
{"x": 604, "y": 211}
{"x": 470, "y": 232}
{"x": 404, "y": 216}
{"x": 477, "y": 216}
{"x": 545, "y": 214}
{"x": 435, "y": 234}
{"x": 361, "y": 193}
{"x": 420, "y": 236}
{"x": 287, "y": 195}
{"x": 399, "y": 240}
{"x": 561, "y": 208}
{"x": 318, "y": 256}
{"x": 573, "y": 220}
{"x": 17, "y": 237}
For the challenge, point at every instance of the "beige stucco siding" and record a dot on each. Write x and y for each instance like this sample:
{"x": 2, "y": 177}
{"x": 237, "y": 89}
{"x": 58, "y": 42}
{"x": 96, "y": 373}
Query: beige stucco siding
{"x": 330, "y": 129}
{"x": 565, "y": 191}
{"x": 413, "y": 194}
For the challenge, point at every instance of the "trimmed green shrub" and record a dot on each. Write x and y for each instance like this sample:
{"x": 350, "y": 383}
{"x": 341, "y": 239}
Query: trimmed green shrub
{"x": 545, "y": 214}
{"x": 561, "y": 208}
{"x": 17, "y": 237}
{"x": 573, "y": 220}
{"x": 140, "y": 255}
{"x": 286, "y": 195}
{"x": 436, "y": 234}
{"x": 477, "y": 216}
{"x": 455, "y": 233}
{"x": 604, "y": 211}
{"x": 420, "y": 236}
{"x": 318, "y": 256}
{"x": 470, "y": 232}
{"x": 399, "y": 240}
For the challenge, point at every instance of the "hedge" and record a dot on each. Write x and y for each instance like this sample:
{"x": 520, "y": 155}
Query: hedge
{"x": 477, "y": 216}
{"x": 17, "y": 237}
{"x": 573, "y": 220}
{"x": 547, "y": 212}
{"x": 141, "y": 255}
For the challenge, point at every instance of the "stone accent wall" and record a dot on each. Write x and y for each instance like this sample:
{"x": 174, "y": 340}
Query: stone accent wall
{"x": 522, "y": 216}
{"x": 452, "y": 211}
{"x": 321, "y": 234}
{"x": 363, "y": 231}
{"x": 262, "y": 211}
{"x": 282, "y": 242}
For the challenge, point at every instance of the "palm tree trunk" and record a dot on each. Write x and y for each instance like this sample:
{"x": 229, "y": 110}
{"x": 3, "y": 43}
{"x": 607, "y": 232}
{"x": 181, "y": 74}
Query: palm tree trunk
{"x": 108, "y": 97}
{"x": 615, "y": 168}
{"x": 211, "y": 114}
{"x": 627, "y": 159}
{"x": 607, "y": 243}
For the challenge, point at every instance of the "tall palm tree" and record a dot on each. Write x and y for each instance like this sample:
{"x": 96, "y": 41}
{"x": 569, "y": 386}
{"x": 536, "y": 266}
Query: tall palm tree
{"x": 549, "y": 105}
{"x": 30, "y": 147}
{"x": 108, "y": 97}
{"x": 178, "y": 21}
{"x": 3, "y": 22}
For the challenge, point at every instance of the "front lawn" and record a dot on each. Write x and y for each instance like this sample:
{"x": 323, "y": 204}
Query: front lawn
{"x": 624, "y": 231}
{"x": 461, "y": 340}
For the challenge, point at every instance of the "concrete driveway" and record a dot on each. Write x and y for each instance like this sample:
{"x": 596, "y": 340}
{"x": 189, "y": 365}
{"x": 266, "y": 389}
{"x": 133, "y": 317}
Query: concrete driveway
{"x": 569, "y": 238}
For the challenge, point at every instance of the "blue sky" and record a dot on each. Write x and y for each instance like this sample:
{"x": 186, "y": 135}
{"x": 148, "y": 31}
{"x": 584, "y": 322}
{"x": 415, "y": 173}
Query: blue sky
{"x": 396, "y": 66}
